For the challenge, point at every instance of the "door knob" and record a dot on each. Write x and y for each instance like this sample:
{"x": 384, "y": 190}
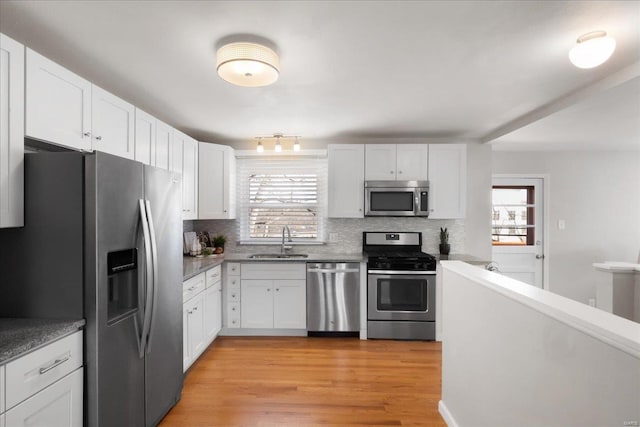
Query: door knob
{"x": 539, "y": 256}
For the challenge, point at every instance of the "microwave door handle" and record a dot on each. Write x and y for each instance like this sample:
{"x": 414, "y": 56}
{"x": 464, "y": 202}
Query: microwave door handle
{"x": 416, "y": 205}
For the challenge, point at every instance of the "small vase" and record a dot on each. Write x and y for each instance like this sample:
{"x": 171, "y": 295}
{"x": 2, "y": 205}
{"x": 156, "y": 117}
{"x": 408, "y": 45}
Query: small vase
{"x": 219, "y": 249}
{"x": 445, "y": 248}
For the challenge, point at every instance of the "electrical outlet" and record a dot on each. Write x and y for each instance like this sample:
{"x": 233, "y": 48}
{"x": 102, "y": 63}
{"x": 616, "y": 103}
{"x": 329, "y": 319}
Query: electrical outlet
{"x": 333, "y": 237}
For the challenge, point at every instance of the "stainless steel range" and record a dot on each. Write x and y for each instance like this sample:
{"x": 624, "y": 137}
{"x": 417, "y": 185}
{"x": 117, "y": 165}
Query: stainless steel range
{"x": 401, "y": 287}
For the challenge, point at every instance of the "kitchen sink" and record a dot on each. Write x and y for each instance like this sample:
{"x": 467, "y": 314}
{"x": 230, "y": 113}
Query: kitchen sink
{"x": 277, "y": 256}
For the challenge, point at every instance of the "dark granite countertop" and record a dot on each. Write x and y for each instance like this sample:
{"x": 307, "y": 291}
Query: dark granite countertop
{"x": 192, "y": 266}
{"x": 20, "y": 336}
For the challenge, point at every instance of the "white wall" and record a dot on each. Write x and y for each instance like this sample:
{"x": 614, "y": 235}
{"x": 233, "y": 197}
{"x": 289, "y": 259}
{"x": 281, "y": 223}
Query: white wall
{"x": 598, "y": 196}
{"x": 478, "y": 221}
{"x": 515, "y": 355}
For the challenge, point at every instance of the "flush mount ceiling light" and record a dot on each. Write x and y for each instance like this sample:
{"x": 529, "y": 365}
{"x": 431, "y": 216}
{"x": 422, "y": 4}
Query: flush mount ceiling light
{"x": 247, "y": 64}
{"x": 592, "y": 49}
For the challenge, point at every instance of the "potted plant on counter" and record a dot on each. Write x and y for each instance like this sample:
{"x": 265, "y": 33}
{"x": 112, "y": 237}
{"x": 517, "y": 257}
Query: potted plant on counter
{"x": 218, "y": 244}
{"x": 444, "y": 241}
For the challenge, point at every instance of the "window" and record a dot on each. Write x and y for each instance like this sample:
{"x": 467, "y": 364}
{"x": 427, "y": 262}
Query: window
{"x": 513, "y": 215}
{"x": 278, "y": 192}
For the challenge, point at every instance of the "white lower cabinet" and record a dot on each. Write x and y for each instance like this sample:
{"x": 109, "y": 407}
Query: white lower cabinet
{"x": 59, "y": 405}
{"x": 273, "y": 296}
{"x": 201, "y": 314}
{"x": 44, "y": 387}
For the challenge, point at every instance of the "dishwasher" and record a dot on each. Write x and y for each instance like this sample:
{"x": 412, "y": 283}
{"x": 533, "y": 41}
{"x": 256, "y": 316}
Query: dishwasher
{"x": 333, "y": 299}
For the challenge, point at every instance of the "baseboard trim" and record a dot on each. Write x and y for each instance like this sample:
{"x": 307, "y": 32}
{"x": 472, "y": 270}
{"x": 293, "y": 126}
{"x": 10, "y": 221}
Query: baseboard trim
{"x": 246, "y": 332}
{"x": 446, "y": 415}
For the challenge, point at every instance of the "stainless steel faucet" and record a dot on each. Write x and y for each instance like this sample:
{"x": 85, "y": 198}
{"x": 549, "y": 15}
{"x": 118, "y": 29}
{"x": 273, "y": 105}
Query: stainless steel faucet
{"x": 284, "y": 248}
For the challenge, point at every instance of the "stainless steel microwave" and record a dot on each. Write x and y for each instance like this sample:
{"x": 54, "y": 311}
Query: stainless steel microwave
{"x": 396, "y": 198}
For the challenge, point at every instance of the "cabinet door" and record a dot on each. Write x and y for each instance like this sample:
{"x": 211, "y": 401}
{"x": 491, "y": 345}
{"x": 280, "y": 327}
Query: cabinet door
{"x": 256, "y": 307}
{"x": 11, "y": 133}
{"x": 58, "y": 104}
{"x": 216, "y": 172}
{"x": 212, "y": 311}
{"x": 112, "y": 121}
{"x": 289, "y": 304}
{"x": 190, "y": 179}
{"x": 187, "y": 357}
{"x": 411, "y": 162}
{"x": 59, "y": 405}
{"x": 145, "y": 137}
{"x": 196, "y": 326}
{"x": 161, "y": 150}
{"x": 346, "y": 181}
{"x": 447, "y": 180}
{"x": 380, "y": 162}
{"x": 2, "y": 392}
{"x": 176, "y": 155}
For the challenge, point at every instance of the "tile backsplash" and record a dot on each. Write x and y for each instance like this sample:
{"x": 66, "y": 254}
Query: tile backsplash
{"x": 348, "y": 233}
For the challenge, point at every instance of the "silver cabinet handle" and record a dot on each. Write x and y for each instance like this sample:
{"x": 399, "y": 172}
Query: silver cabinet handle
{"x": 55, "y": 363}
{"x": 233, "y": 295}
{"x": 277, "y": 289}
{"x": 98, "y": 138}
{"x": 189, "y": 311}
{"x": 233, "y": 309}
{"x": 399, "y": 171}
{"x": 268, "y": 290}
{"x": 539, "y": 256}
{"x": 87, "y": 134}
{"x": 391, "y": 172}
{"x": 195, "y": 308}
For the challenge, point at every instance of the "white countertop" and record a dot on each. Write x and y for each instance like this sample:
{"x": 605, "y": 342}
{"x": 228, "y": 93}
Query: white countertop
{"x": 617, "y": 267}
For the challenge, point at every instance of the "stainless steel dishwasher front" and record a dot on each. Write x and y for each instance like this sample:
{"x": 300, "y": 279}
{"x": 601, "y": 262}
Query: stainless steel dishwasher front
{"x": 333, "y": 297}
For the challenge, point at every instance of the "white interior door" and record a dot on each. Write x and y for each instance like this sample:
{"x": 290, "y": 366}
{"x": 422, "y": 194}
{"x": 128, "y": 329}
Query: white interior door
{"x": 518, "y": 228}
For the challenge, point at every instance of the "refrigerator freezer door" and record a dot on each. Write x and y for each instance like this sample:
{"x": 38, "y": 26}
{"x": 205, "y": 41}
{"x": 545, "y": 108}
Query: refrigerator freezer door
{"x": 114, "y": 369}
{"x": 163, "y": 364}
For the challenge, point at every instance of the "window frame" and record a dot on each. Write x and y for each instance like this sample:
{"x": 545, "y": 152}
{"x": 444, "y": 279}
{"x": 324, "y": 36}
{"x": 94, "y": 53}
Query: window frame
{"x": 530, "y": 226}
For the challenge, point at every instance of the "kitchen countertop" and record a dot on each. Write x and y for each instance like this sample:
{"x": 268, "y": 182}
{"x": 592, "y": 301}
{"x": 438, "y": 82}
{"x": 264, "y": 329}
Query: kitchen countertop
{"x": 19, "y": 336}
{"x": 469, "y": 259}
{"x": 192, "y": 266}
{"x": 313, "y": 257}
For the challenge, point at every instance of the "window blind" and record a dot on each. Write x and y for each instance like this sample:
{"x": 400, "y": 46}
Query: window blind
{"x": 279, "y": 192}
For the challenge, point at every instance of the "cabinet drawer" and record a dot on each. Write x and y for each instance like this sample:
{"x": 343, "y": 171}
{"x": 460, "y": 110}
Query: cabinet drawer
{"x": 212, "y": 276}
{"x": 31, "y": 373}
{"x": 233, "y": 309}
{"x": 193, "y": 287}
{"x": 233, "y": 295}
{"x": 233, "y": 282}
{"x": 265, "y": 271}
{"x": 233, "y": 269}
{"x": 233, "y": 320}
{"x": 60, "y": 404}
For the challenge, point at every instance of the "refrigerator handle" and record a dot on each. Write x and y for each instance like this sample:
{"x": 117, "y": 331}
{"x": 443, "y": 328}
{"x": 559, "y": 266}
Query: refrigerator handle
{"x": 154, "y": 283}
{"x": 148, "y": 278}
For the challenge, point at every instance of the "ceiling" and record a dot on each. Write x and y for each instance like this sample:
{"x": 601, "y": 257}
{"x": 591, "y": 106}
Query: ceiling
{"x": 351, "y": 69}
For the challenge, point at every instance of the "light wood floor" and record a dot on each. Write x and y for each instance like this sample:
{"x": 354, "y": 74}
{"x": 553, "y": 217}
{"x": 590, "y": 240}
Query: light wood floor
{"x": 287, "y": 381}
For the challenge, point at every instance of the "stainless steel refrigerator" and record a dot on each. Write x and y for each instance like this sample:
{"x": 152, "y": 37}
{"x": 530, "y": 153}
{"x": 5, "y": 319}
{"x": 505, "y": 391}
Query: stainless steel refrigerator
{"x": 102, "y": 240}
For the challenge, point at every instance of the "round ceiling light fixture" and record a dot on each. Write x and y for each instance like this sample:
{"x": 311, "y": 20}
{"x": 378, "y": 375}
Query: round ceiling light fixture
{"x": 592, "y": 49}
{"x": 247, "y": 64}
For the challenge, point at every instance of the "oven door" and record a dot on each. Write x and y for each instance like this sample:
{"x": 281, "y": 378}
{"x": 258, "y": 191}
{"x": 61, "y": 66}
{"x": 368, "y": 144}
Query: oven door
{"x": 401, "y": 295}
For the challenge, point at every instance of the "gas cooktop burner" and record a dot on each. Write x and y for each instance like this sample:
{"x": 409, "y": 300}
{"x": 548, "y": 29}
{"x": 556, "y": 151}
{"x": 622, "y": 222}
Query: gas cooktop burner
{"x": 396, "y": 251}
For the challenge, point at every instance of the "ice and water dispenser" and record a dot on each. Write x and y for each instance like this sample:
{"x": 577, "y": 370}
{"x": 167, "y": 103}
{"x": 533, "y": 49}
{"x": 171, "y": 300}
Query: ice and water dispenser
{"x": 123, "y": 284}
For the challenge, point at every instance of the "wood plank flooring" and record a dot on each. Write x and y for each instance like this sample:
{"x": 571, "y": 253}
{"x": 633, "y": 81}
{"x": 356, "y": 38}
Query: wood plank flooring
{"x": 293, "y": 381}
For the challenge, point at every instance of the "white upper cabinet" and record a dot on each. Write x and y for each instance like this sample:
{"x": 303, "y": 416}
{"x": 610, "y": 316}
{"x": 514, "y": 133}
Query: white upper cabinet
{"x": 161, "y": 150}
{"x": 380, "y": 162}
{"x": 216, "y": 176}
{"x": 189, "y": 176}
{"x": 145, "y": 137}
{"x": 447, "y": 180}
{"x": 346, "y": 180}
{"x": 411, "y": 162}
{"x": 112, "y": 124}
{"x": 402, "y": 162}
{"x": 11, "y": 133}
{"x": 175, "y": 152}
{"x": 58, "y": 104}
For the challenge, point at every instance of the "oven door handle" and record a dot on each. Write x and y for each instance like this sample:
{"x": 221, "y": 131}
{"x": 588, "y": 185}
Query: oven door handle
{"x": 402, "y": 272}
